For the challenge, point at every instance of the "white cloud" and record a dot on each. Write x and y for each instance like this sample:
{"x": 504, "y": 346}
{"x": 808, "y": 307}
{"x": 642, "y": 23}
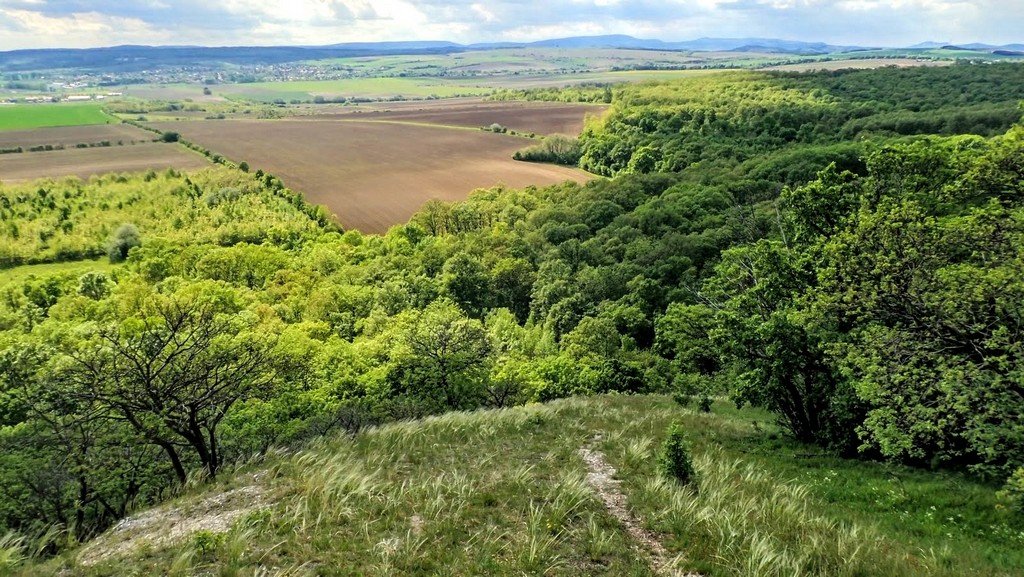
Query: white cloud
{"x": 34, "y": 29}
{"x": 51, "y": 23}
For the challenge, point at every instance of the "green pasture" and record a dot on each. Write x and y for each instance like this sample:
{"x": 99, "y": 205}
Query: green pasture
{"x": 28, "y": 116}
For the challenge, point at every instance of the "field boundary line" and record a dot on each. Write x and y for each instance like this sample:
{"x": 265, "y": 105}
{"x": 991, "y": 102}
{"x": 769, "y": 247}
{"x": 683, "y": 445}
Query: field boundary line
{"x": 407, "y": 123}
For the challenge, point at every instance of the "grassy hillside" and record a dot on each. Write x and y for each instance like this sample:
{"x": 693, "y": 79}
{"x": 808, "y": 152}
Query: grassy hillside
{"x": 506, "y": 492}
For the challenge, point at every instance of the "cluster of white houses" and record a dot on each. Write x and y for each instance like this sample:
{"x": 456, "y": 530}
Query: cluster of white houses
{"x": 69, "y": 98}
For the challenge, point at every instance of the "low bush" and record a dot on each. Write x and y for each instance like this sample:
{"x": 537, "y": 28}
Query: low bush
{"x": 674, "y": 460}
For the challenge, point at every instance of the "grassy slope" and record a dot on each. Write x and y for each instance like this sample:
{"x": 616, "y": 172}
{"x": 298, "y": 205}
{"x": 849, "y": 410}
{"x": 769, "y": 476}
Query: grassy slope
{"x": 503, "y": 493}
{"x": 28, "y": 116}
{"x": 20, "y": 274}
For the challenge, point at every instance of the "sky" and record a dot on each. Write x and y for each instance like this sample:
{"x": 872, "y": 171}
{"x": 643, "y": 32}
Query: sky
{"x": 90, "y": 23}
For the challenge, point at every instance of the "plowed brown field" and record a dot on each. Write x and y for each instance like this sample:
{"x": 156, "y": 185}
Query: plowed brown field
{"x": 69, "y": 136}
{"x": 536, "y": 117}
{"x": 85, "y": 162}
{"x": 374, "y": 173}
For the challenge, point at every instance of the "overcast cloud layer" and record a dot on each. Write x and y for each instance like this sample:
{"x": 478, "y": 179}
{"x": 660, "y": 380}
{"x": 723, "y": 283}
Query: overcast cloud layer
{"x": 87, "y": 23}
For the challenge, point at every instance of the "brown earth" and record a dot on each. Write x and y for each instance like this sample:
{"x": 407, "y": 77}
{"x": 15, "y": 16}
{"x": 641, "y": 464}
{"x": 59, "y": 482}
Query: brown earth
{"x": 536, "y": 117}
{"x": 373, "y": 174}
{"x": 86, "y": 162}
{"x": 72, "y": 135}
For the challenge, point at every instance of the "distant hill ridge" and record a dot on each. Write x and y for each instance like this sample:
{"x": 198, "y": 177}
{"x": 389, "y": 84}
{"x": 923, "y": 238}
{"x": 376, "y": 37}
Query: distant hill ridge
{"x": 134, "y": 57}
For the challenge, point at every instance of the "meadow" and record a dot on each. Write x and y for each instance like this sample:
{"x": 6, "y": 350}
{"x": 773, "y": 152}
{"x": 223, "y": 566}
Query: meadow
{"x": 365, "y": 88}
{"x": 859, "y": 64}
{"x": 506, "y": 492}
{"x": 390, "y": 88}
{"x": 26, "y": 116}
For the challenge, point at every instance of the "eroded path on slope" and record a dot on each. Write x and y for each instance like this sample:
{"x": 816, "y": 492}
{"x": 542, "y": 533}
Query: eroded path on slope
{"x": 601, "y": 478}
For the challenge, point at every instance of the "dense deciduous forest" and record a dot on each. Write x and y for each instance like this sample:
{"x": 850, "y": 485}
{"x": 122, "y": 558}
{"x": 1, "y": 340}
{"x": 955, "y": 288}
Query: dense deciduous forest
{"x": 842, "y": 249}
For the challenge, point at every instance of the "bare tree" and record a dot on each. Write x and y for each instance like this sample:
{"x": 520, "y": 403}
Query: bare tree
{"x": 172, "y": 373}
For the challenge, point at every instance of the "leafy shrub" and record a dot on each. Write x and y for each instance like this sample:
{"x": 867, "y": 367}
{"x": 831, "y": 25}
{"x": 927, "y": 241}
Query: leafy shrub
{"x": 704, "y": 404}
{"x": 556, "y": 148}
{"x": 125, "y": 238}
{"x": 674, "y": 460}
{"x": 95, "y": 285}
{"x": 222, "y": 195}
{"x": 170, "y": 137}
{"x": 206, "y": 542}
{"x": 1013, "y": 492}
{"x": 690, "y": 387}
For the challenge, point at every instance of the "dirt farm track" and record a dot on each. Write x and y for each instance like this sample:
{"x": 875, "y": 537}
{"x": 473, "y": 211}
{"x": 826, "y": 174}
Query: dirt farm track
{"x": 377, "y": 172}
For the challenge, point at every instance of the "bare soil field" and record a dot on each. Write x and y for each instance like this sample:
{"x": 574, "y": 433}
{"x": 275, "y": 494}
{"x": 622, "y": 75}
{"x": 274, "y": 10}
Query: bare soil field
{"x": 71, "y": 135}
{"x": 373, "y": 174}
{"x": 860, "y": 64}
{"x": 86, "y": 162}
{"x": 536, "y": 117}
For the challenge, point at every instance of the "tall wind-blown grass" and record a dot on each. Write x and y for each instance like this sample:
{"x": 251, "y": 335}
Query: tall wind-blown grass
{"x": 749, "y": 524}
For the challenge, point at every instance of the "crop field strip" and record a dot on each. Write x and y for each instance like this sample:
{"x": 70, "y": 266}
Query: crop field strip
{"x": 374, "y": 175}
{"x": 859, "y": 64}
{"x": 69, "y": 136}
{"x": 28, "y": 116}
{"x": 536, "y": 117}
{"x": 86, "y": 162}
{"x": 424, "y": 89}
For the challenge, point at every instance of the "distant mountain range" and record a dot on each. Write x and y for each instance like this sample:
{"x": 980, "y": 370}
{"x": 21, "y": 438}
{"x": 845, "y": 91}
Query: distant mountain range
{"x": 973, "y": 46}
{"x": 129, "y": 58}
{"x": 614, "y": 41}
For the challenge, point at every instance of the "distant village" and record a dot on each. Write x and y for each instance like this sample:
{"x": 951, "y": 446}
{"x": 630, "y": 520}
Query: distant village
{"x": 62, "y": 98}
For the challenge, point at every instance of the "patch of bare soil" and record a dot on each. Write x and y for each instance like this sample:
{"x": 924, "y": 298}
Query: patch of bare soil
{"x": 372, "y": 174}
{"x": 174, "y": 523}
{"x": 601, "y": 478}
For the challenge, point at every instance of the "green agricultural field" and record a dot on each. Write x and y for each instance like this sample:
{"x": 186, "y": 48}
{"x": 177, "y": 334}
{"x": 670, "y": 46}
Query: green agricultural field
{"x": 932, "y": 53}
{"x": 28, "y": 116}
{"x": 350, "y": 88}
